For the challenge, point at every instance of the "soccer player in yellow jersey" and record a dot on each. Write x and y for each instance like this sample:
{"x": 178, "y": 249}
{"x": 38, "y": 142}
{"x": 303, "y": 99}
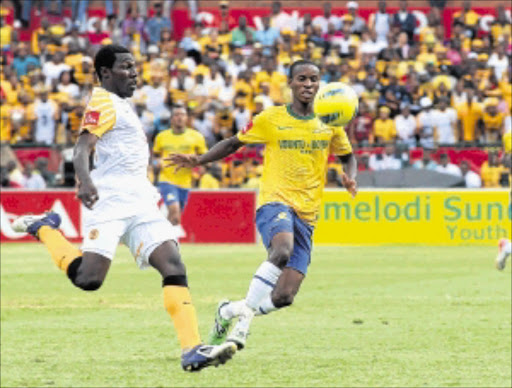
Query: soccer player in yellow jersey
{"x": 297, "y": 146}
{"x": 174, "y": 185}
{"x": 121, "y": 205}
{"x": 505, "y": 245}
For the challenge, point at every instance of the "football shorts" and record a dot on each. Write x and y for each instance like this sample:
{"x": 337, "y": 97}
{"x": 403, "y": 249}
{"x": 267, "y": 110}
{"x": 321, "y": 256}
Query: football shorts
{"x": 141, "y": 233}
{"x": 172, "y": 194}
{"x": 273, "y": 218}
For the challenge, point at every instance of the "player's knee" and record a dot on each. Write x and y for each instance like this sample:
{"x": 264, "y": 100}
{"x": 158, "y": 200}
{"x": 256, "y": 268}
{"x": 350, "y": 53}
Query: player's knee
{"x": 280, "y": 255}
{"x": 92, "y": 285}
{"x": 174, "y": 215}
{"x": 88, "y": 283}
{"x": 283, "y": 298}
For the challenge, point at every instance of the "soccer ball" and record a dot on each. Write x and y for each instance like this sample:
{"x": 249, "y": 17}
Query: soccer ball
{"x": 336, "y": 104}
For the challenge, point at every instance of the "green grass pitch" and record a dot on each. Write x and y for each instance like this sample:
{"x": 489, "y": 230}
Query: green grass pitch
{"x": 366, "y": 316}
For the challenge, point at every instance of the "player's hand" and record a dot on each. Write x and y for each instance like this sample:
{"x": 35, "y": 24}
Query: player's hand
{"x": 349, "y": 184}
{"x": 88, "y": 194}
{"x": 181, "y": 161}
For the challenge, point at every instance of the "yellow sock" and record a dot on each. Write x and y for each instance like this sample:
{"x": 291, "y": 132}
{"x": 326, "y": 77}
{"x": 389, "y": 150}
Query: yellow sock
{"x": 61, "y": 250}
{"x": 178, "y": 303}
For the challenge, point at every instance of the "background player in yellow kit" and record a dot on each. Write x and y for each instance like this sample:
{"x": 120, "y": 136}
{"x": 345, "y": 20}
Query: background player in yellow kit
{"x": 174, "y": 185}
{"x": 297, "y": 146}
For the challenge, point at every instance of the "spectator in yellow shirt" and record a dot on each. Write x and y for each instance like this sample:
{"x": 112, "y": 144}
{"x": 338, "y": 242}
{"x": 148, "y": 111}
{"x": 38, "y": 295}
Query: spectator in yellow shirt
{"x": 5, "y": 120}
{"x": 505, "y": 87}
{"x": 212, "y": 178}
{"x": 468, "y": 17}
{"x": 11, "y": 87}
{"x": 384, "y": 128}
{"x": 469, "y": 114}
{"x": 20, "y": 125}
{"x": 492, "y": 171}
{"x": 492, "y": 121}
{"x": 85, "y": 72}
{"x": 74, "y": 58}
{"x": 8, "y": 35}
{"x": 273, "y": 77}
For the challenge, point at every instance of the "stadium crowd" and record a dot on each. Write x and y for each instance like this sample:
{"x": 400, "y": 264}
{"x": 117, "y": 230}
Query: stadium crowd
{"x": 424, "y": 96}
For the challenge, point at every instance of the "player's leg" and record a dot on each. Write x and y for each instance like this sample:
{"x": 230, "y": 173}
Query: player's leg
{"x": 288, "y": 283}
{"x": 504, "y": 251}
{"x": 86, "y": 270}
{"x": 174, "y": 213}
{"x": 170, "y": 195}
{"x": 151, "y": 241}
{"x": 275, "y": 224}
{"x": 291, "y": 279}
{"x": 177, "y": 300}
{"x": 173, "y": 199}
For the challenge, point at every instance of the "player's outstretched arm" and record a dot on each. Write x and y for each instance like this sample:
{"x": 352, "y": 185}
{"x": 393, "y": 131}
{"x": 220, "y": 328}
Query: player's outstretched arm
{"x": 218, "y": 151}
{"x": 348, "y": 178}
{"x": 87, "y": 192}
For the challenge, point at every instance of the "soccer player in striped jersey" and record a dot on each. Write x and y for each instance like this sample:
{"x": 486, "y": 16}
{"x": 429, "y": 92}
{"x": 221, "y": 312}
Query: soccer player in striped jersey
{"x": 297, "y": 147}
{"x": 121, "y": 206}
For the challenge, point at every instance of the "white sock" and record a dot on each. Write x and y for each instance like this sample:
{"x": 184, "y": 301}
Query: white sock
{"x": 508, "y": 247}
{"x": 179, "y": 231}
{"x": 266, "y": 306}
{"x": 262, "y": 284}
{"x": 232, "y": 310}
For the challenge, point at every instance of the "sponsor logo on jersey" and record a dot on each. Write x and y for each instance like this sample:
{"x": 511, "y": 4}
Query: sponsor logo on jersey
{"x": 92, "y": 118}
{"x": 282, "y": 128}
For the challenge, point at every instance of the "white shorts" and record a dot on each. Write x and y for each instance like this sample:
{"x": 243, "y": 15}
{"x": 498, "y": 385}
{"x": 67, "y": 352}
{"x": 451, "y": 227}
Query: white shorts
{"x": 142, "y": 233}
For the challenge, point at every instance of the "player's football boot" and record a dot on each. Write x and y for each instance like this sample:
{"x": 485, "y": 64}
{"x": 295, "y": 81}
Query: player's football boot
{"x": 31, "y": 223}
{"x": 203, "y": 356}
{"x": 240, "y": 332}
{"x": 503, "y": 254}
{"x": 220, "y": 327}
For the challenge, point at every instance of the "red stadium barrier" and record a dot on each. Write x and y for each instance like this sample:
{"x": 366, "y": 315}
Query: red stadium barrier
{"x": 15, "y": 203}
{"x": 220, "y": 217}
{"x": 210, "y": 217}
{"x": 209, "y": 14}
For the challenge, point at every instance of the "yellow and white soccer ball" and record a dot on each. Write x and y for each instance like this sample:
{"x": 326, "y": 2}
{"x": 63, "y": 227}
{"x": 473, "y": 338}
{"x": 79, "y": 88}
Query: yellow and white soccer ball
{"x": 336, "y": 104}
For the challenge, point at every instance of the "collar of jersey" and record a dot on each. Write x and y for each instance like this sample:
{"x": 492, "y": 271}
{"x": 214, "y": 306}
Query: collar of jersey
{"x": 295, "y": 115}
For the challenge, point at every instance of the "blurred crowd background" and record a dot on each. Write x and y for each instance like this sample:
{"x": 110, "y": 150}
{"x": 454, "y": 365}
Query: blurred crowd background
{"x": 429, "y": 99}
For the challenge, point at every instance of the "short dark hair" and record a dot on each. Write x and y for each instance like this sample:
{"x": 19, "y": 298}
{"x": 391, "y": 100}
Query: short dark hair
{"x": 106, "y": 57}
{"x": 301, "y": 62}
{"x": 178, "y": 106}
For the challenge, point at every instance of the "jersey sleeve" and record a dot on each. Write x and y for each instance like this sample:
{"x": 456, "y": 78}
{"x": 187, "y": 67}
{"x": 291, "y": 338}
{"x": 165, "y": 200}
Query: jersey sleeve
{"x": 201, "y": 147}
{"x": 157, "y": 146}
{"x": 100, "y": 114}
{"x": 257, "y": 131}
{"x": 340, "y": 145}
